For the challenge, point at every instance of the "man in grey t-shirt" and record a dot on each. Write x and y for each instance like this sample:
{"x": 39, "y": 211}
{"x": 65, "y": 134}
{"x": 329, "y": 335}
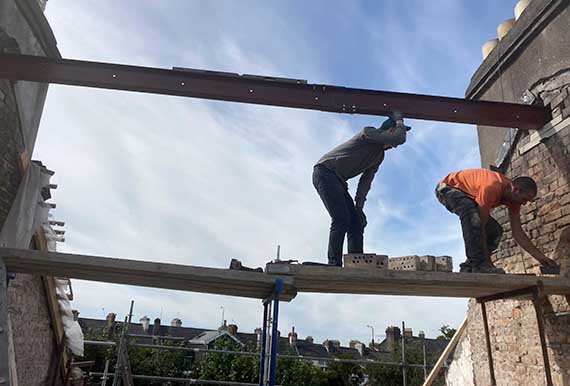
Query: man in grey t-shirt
{"x": 362, "y": 154}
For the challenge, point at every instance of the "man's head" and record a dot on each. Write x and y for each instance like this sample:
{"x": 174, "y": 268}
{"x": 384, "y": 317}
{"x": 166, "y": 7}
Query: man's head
{"x": 521, "y": 190}
{"x": 391, "y": 123}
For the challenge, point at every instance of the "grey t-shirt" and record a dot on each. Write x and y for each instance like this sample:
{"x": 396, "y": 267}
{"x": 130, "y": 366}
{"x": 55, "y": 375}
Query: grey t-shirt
{"x": 362, "y": 154}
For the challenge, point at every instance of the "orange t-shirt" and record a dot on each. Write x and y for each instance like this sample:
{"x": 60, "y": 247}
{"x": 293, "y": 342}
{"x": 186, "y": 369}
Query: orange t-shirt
{"x": 485, "y": 186}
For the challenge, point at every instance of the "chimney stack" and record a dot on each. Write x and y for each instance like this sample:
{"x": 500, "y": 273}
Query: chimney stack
{"x": 422, "y": 335}
{"x": 292, "y": 337}
{"x": 352, "y": 344}
{"x": 310, "y": 339}
{"x": 360, "y": 347}
{"x": 156, "y": 327}
{"x": 176, "y": 323}
{"x": 223, "y": 327}
{"x": 331, "y": 344}
{"x": 233, "y": 329}
{"x": 408, "y": 332}
{"x": 258, "y": 335}
{"x": 145, "y": 321}
{"x": 110, "y": 325}
{"x": 392, "y": 337}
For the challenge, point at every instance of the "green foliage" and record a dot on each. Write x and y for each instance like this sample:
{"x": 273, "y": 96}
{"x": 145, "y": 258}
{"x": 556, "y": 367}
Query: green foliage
{"x": 245, "y": 368}
{"x": 228, "y": 367}
{"x": 446, "y": 332}
{"x": 344, "y": 373}
{"x": 159, "y": 362}
{"x": 145, "y": 361}
{"x": 385, "y": 375}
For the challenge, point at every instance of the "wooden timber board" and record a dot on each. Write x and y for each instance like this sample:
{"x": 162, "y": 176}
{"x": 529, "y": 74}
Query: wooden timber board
{"x": 411, "y": 283}
{"x": 296, "y": 278}
{"x": 146, "y": 274}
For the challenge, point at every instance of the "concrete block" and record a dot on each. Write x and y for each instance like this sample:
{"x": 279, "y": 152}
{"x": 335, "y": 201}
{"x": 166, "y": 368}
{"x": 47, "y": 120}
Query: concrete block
{"x": 412, "y": 263}
{"x": 443, "y": 263}
{"x": 365, "y": 261}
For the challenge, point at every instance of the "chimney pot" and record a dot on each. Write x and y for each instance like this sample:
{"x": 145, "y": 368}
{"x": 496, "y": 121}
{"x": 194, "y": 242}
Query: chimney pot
{"x": 292, "y": 336}
{"x": 145, "y": 322}
{"x": 156, "y": 327}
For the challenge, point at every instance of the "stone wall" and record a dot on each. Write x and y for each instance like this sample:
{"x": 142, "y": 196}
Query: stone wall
{"x": 23, "y": 28}
{"x": 533, "y": 56}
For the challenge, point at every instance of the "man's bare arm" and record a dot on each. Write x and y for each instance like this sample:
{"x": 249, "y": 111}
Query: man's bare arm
{"x": 522, "y": 239}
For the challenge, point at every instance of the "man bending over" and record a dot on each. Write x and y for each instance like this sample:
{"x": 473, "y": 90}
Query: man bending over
{"x": 471, "y": 194}
{"x": 360, "y": 155}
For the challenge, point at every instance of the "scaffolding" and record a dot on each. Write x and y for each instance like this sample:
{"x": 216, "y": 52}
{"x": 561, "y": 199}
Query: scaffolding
{"x": 123, "y": 369}
{"x": 284, "y": 282}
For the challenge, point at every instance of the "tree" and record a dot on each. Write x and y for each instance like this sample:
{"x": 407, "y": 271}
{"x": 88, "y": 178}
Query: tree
{"x": 386, "y": 375}
{"x": 446, "y": 332}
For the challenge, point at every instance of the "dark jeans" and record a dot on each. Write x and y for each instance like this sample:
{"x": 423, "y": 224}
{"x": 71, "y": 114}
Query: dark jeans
{"x": 468, "y": 211}
{"x": 344, "y": 220}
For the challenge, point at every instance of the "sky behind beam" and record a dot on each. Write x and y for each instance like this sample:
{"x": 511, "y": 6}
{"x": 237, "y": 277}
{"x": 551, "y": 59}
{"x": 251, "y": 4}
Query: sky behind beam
{"x": 199, "y": 182}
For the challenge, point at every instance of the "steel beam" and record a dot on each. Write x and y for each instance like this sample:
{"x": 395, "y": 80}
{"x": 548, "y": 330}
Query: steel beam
{"x": 269, "y": 91}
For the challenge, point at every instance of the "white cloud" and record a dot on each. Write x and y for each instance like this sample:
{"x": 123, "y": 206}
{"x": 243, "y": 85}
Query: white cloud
{"x": 199, "y": 182}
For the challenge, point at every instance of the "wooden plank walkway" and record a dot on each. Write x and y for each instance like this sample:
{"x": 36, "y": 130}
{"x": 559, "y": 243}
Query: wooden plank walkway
{"x": 411, "y": 283}
{"x": 296, "y": 278}
{"x": 147, "y": 274}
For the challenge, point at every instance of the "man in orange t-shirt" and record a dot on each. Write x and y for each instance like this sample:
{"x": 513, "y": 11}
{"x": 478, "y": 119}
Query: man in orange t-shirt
{"x": 471, "y": 194}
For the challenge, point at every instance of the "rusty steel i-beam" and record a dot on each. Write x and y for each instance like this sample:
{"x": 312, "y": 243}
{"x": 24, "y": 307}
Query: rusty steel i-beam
{"x": 269, "y": 91}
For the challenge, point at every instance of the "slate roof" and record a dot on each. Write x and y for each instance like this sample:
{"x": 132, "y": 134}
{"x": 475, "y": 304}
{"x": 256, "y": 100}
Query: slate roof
{"x": 200, "y": 336}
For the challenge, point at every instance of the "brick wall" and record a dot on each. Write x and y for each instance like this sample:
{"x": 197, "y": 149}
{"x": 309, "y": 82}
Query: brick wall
{"x": 513, "y": 328}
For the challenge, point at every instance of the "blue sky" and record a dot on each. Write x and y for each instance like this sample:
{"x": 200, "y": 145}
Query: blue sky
{"x": 198, "y": 182}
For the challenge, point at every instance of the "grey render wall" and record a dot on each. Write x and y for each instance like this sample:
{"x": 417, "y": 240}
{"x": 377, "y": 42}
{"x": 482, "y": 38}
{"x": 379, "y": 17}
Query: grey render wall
{"x": 21, "y": 103}
{"x": 536, "y": 49}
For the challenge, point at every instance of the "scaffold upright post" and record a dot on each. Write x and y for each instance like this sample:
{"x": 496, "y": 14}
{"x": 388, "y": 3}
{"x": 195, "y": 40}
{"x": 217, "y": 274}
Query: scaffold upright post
{"x": 263, "y": 344}
{"x": 4, "y": 353}
{"x": 270, "y": 342}
{"x": 536, "y": 301}
{"x": 488, "y": 344}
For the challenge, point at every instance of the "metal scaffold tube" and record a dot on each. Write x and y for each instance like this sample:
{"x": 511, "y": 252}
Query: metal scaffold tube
{"x": 4, "y": 350}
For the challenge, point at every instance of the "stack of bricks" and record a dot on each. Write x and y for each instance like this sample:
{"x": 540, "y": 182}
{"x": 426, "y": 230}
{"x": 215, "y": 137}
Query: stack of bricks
{"x": 403, "y": 263}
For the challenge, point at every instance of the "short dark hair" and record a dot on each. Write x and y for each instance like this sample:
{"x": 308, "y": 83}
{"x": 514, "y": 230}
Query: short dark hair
{"x": 526, "y": 183}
